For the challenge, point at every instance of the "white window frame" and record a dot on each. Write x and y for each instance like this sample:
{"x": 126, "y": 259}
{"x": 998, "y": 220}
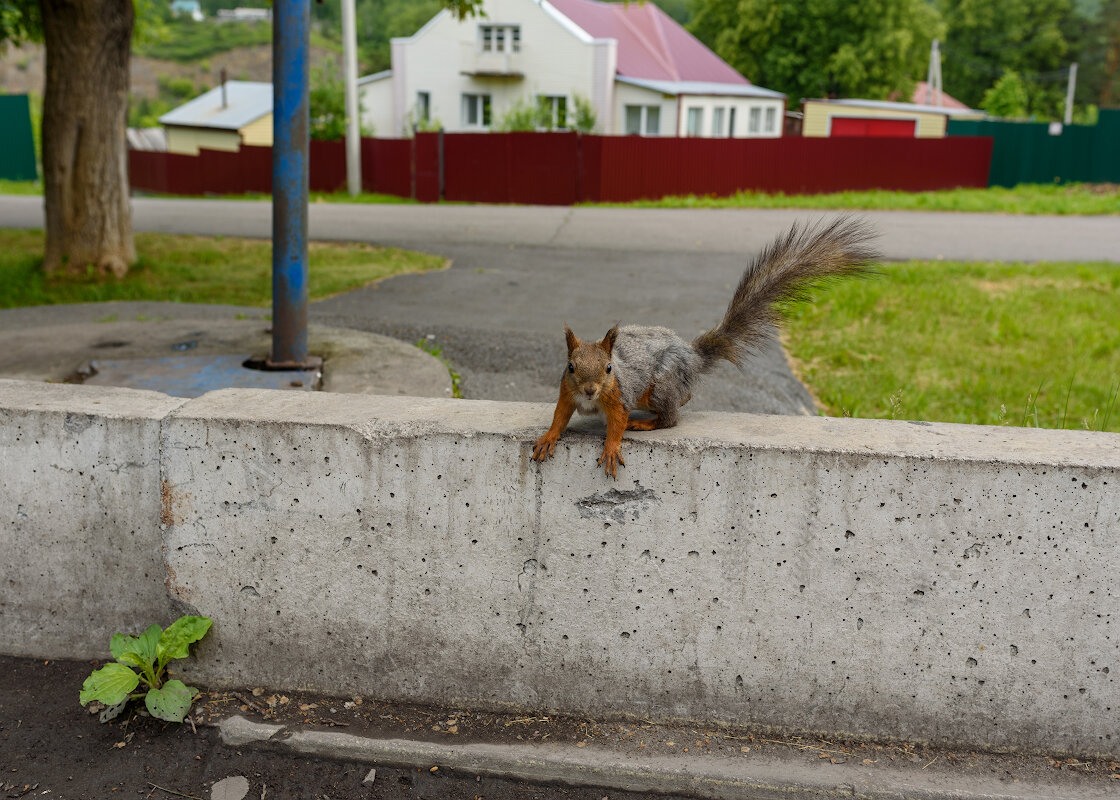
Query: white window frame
{"x": 771, "y": 122}
{"x": 557, "y": 105}
{"x": 754, "y": 124}
{"x": 480, "y": 104}
{"x": 423, "y": 106}
{"x": 719, "y": 114}
{"x": 731, "y": 121}
{"x": 649, "y": 124}
{"x": 694, "y": 121}
{"x": 499, "y": 38}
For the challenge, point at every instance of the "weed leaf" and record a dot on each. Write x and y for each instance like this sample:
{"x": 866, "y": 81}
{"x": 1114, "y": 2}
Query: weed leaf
{"x": 170, "y": 702}
{"x": 109, "y": 685}
{"x": 138, "y": 651}
{"x": 179, "y": 635}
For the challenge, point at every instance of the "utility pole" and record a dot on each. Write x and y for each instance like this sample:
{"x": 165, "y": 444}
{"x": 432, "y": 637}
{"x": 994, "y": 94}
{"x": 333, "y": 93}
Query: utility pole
{"x": 1069, "y": 92}
{"x": 933, "y": 75}
{"x": 350, "y": 77}
{"x": 290, "y": 170}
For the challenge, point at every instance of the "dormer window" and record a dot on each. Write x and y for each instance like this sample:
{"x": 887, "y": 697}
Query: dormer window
{"x": 500, "y": 38}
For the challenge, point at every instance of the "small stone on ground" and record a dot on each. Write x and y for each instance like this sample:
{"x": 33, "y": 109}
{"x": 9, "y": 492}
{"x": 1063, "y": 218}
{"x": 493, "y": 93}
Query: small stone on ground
{"x": 368, "y": 779}
{"x": 234, "y": 788}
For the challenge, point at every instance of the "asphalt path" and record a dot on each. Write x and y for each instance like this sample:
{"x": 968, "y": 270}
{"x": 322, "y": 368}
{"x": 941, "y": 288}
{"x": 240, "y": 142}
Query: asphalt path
{"x": 519, "y": 273}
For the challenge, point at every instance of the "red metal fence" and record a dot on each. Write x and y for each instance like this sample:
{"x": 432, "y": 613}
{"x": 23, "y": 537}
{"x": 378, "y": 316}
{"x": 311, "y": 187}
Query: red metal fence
{"x": 566, "y": 168}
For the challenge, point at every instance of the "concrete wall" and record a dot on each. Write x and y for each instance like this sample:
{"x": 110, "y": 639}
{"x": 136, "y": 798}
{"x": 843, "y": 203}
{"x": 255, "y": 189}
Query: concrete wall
{"x": 883, "y": 579}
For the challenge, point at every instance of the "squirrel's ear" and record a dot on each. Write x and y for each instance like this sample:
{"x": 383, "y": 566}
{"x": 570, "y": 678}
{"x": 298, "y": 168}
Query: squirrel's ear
{"x": 608, "y": 340}
{"x": 571, "y": 339}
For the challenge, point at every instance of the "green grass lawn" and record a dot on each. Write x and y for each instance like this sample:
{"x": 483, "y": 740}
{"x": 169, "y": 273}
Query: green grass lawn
{"x": 1025, "y": 198}
{"x": 196, "y": 269}
{"x": 990, "y": 343}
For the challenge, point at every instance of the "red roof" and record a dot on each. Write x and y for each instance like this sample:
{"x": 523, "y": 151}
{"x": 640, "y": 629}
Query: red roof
{"x": 651, "y": 44}
{"x": 923, "y": 98}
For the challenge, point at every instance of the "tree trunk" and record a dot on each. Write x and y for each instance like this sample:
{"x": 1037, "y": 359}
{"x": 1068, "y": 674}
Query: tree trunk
{"x": 85, "y": 155}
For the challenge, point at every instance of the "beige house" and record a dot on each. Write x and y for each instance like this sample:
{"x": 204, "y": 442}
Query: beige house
{"x": 240, "y": 112}
{"x": 879, "y": 118}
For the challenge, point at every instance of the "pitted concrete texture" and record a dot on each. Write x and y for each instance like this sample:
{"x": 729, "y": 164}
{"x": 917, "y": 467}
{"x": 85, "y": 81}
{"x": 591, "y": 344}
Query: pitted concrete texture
{"x": 354, "y": 361}
{"x": 79, "y": 517}
{"x": 935, "y": 582}
{"x": 939, "y": 582}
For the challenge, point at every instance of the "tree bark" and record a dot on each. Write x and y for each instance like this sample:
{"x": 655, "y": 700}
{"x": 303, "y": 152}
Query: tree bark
{"x": 85, "y": 155}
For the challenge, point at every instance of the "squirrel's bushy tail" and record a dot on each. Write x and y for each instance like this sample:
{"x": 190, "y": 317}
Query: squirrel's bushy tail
{"x": 782, "y": 272}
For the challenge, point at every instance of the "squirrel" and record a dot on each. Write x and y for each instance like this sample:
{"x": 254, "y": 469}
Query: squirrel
{"x": 652, "y": 369}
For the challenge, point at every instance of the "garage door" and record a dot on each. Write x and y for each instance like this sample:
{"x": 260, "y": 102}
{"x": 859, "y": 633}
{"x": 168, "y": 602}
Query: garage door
{"x": 871, "y": 126}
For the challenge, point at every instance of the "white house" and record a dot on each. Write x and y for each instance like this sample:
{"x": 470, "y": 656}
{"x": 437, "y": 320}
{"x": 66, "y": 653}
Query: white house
{"x": 641, "y": 71}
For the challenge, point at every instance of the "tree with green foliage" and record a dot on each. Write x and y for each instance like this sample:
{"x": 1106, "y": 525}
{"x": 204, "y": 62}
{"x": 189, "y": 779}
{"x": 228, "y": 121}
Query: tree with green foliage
{"x": 821, "y": 48}
{"x": 987, "y": 37}
{"x": 1008, "y": 98}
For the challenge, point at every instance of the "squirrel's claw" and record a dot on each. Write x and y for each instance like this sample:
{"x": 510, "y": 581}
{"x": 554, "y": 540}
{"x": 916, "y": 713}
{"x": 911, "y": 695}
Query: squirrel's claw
{"x": 543, "y": 448}
{"x": 610, "y": 461}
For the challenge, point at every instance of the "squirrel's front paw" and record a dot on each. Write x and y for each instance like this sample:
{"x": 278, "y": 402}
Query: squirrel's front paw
{"x": 611, "y": 460}
{"x": 544, "y": 448}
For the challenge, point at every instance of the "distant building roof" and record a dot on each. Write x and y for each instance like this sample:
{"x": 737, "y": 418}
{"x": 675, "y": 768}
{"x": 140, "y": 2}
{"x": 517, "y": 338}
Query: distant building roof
{"x": 887, "y": 105}
{"x": 651, "y": 44}
{"x": 246, "y": 101}
{"x": 924, "y": 95}
{"x": 702, "y": 87}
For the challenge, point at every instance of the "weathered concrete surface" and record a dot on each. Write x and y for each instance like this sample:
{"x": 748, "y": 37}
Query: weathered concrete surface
{"x": 354, "y": 361}
{"x": 610, "y": 767}
{"x": 937, "y": 582}
{"x": 79, "y": 517}
{"x": 945, "y": 583}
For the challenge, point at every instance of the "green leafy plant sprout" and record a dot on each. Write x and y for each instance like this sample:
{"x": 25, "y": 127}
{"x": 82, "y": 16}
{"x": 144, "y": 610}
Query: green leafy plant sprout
{"x": 143, "y": 659}
{"x": 429, "y": 346}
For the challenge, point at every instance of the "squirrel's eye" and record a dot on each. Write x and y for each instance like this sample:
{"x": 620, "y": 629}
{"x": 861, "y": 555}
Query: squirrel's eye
{"x": 571, "y": 367}
{"x": 608, "y": 369}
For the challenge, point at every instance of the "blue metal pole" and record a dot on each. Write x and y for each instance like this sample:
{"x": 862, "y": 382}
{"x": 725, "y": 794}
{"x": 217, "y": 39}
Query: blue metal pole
{"x": 290, "y": 45}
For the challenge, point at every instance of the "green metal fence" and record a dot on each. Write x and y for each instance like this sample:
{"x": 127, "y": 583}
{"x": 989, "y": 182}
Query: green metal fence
{"x": 1026, "y": 152}
{"x": 17, "y": 147}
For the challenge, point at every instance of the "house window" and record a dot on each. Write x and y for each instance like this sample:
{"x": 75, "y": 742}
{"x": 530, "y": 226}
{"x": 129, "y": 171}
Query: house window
{"x": 500, "y": 38}
{"x": 695, "y": 121}
{"x": 423, "y": 106}
{"x": 476, "y": 111}
{"x": 754, "y": 125}
{"x": 717, "y": 121}
{"x": 643, "y": 120}
{"x": 554, "y": 109}
{"x": 771, "y": 119}
{"x": 731, "y": 121}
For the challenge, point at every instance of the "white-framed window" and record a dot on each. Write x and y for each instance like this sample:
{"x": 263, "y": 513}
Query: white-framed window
{"x": 754, "y": 123}
{"x": 771, "y": 119}
{"x": 695, "y": 123}
{"x": 555, "y": 109}
{"x": 718, "y": 114}
{"x": 476, "y": 111}
{"x": 731, "y": 121}
{"x": 643, "y": 120}
{"x": 423, "y": 106}
{"x": 500, "y": 38}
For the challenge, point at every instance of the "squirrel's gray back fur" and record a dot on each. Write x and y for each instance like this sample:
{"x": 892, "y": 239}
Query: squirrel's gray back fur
{"x": 657, "y": 359}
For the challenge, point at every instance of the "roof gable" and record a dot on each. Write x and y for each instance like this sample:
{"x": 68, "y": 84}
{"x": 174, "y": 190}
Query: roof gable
{"x": 651, "y": 44}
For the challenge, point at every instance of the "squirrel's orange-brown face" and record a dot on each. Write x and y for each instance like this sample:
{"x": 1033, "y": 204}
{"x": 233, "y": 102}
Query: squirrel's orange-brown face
{"x": 589, "y": 371}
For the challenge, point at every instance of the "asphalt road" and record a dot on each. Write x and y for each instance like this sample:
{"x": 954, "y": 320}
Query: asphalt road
{"x": 520, "y": 273}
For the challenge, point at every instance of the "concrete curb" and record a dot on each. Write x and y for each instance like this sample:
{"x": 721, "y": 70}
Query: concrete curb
{"x": 749, "y": 778}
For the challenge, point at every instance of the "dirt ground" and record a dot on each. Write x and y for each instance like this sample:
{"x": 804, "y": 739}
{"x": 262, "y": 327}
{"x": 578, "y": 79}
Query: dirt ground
{"x": 51, "y": 746}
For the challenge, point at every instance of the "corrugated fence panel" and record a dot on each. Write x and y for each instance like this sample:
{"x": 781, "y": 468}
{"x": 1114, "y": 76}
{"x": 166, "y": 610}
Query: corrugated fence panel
{"x": 564, "y": 168}
{"x": 17, "y": 146}
{"x": 387, "y": 166}
{"x": 543, "y": 168}
{"x": 328, "y": 166}
{"x": 1026, "y": 152}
